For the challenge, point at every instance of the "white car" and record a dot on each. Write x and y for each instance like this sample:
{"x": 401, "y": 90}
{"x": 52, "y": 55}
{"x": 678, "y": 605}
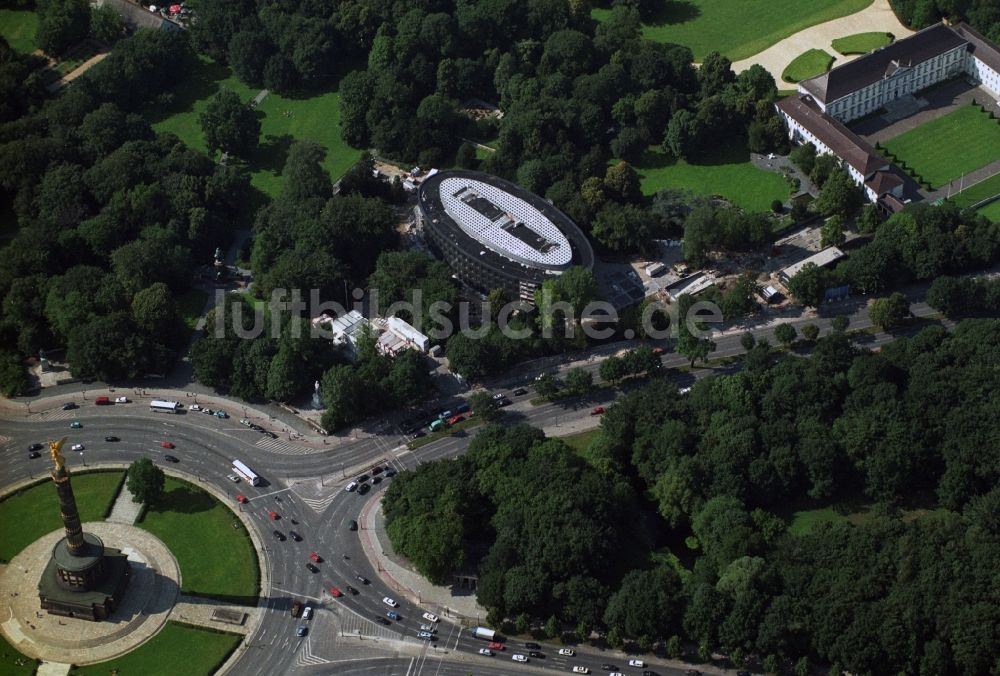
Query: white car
{"x": 486, "y": 651}
{"x": 567, "y": 651}
{"x": 390, "y": 602}
{"x": 351, "y": 486}
{"x": 232, "y": 477}
{"x": 428, "y": 627}
{"x": 430, "y": 617}
{"x": 76, "y": 447}
{"x": 518, "y": 657}
{"x": 636, "y": 663}
{"x": 121, "y": 400}
{"x": 195, "y": 407}
{"x": 307, "y": 613}
{"x": 581, "y": 670}
{"x": 616, "y": 673}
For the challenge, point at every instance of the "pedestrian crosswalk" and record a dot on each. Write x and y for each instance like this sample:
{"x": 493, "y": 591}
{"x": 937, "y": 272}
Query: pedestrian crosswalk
{"x": 285, "y": 447}
{"x": 58, "y": 414}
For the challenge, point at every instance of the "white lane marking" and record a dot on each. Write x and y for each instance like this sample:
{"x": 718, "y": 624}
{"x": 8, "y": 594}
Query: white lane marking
{"x": 290, "y": 593}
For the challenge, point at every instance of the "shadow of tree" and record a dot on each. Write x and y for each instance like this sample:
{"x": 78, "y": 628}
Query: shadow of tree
{"x": 184, "y": 500}
{"x": 271, "y": 154}
{"x": 200, "y": 82}
{"x": 670, "y": 13}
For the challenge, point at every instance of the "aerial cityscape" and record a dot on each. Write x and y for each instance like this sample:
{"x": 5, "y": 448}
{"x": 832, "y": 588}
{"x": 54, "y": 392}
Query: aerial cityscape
{"x": 499, "y": 337}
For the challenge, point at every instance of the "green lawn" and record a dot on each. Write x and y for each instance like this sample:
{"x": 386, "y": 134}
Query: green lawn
{"x": 992, "y": 211}
{"x": 805, "y": 521}
{"x": 580, "y": 441}
{"x": 283, "y": 120}
{"x": 191, "y": 305}
{"x": 737, "y": 28}
{"x": 18, "y": 28}
{"x": 978, "y": 192}
{"x": 943, "y": 149}
{"x": 808, "y": 64}
{"x": 13, "y": 663}
{"x": 176, "y": 649}
{"x": 35, "y": 511}
{"x": 862, "y": 43}
{"x": 215, "y": 558}
{"x": 726, "y": 172}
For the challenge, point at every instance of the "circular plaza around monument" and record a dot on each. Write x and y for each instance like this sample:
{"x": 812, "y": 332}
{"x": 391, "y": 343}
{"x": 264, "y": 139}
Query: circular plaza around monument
{"x": 148, "y": 600}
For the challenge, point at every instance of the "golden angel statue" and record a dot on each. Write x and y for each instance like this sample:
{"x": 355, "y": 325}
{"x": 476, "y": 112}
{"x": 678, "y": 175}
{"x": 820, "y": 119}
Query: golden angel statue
{"x": 54, "y": 448}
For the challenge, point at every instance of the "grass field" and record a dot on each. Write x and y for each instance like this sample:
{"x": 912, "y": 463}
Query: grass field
{"x": 737, "y": 28}
{"x": 18, "y": 28}
{"x": 580, "y": 441}
{"x": 727, "y": 172}
{"x": 177, "y": 649}
{"x": 992, "y": 211}
{"x": 943, "y": 149}
{"x": 978, "y": 192}
{"x": 805, "y": 521}
{"x": 283, "y": 120}
{"x": 806, "y": 65}
{"x": 189, "y": 518}
{"x": 13, "y": 663}
{"x": 26, "y": 517}
{"x": 862, "y": 43}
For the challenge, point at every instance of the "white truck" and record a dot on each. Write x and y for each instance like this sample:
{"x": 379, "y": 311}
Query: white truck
{"x": 484, "y": 633}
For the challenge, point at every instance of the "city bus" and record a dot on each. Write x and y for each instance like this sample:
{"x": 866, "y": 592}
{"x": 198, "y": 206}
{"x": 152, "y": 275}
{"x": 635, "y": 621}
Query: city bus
{"x": 246, "y": 473}
{"x": 158, "y": 406}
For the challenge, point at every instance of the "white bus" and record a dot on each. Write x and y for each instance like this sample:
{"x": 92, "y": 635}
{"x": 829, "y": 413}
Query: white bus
{"x": 164, "y": 406}
{"x": 248, "y": 474}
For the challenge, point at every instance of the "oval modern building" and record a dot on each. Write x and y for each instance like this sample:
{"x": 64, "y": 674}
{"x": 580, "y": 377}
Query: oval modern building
{"x": 494, "y": 234}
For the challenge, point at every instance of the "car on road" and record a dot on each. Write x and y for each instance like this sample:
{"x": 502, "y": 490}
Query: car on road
{"x": 302, "y": 630}
{"x": 102, "y": 401}
{"x": 425, "y": 635}
{"x": 242, "y": 499}
{"x": 232, "y": 477}
{"x": 296, "y": 608}
{"x": 307, "y": 613}
{"x": 495, "y": 645}
{"x": 256, "y": 428}
{"x": 121, "y": 400}
{"x": 271, "y": 434}
{"x": 313, "y": 556}
{"x": 428, "y": 627}
{"x": 569, "y": 652}
{"x": 391, "y": 602}
{"x": 363, "y": 579}
{"x": 274, "y": 516}
{"x": 532, "y": 645}
{"x": 486, "y": 651}
{"x": 430, "y": 617}
{"x": 535, "y": 653}
{"x": 390, "y": 472}
{"x": 503, "y": 402}
{"x": 69, "y": 406}
{"x": 76, "y": 447}
{"x": 195, "y": 407}
{"x": 519, "y": 392}
{"x": 352, "y": 525}
{"x": 618, "y": 673}
{"x": 581, "y": 670}
{"x": 335, "y": 592}
{"x": 352, "y": 589}
{"x": 311, "y": 568}
{"x": 298, "y": 538}
{"x": 75, "y": 425}
{"x": 167, "y": 444}
{"x": 609, "y": 667}
{"x": 353, "y": 486}
{"x": 35, "y": 447}
{"x": 597, "y": 410}
{"x": 111, "y": 439}
{"x": 244, "y": 421}
{"x": 392, "y": 615}
{"x": 34, "y": 454}
{"x": 518, "y": 657}
{"x": 382, "y": 620}
{"x": 170, "y": 458}
{"x": 636, "y": 663}
{"x": 279, "y": 536}
{"x": 363, "y": 488}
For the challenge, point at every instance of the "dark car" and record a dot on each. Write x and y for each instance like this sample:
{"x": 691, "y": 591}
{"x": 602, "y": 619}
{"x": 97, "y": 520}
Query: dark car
{"x": 34, "y": 454}
{"x": 295, "y": 536}
{"x": 529, "y": 644}
{"x": 352, "y": 525}
{"x": 271, "y": 434}
{"x": 279, "y": 536}
{"x": 363, "y": 488}
{"x": 170, "y": 458}
{"x": 69, "y": 406}
{"x": 382, "y": 620}
{"x": 35, "y": 447}
{"x": 352, "y": 589}
{"x": 377, "y": 470}
{"x": 536, "y": 654}
{"x": 361, "y": 479}
{"x": 647, "y": 672}
{"x": 363, "y": 579}
{"x": 519, "y": 392}
{"x": 389, "y": 471}
{"x": 111, "y": 438}
{"x": 376, "y": 480}
{"x": 311, "y": 568}
{"x": 609, "y": 667}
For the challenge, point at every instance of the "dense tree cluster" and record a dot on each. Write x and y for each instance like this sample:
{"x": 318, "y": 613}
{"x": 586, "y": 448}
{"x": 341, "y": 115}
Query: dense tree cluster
{"x": 961, "y": 296}
{"x": 720, "y": 464}
{"x": 20, "y": 88}
{"x": 981, "y": 14}
{"x": 710, "y": 228}
{"x": 113, "y": 218}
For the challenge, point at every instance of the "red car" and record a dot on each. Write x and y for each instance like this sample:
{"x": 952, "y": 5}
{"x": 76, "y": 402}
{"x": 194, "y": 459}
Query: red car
{"x": 495, "y": 646}
{"x": 658, "y": 350}
{"x": 241, "y": 498}
{"x": 273, "y": 515}
{"x": 336, "y": 593}
{"x": 315, "y": 557}
{"x": 598, "y": 410}
{"x": 455, "y": 419}
{"x": 167, "y": 444}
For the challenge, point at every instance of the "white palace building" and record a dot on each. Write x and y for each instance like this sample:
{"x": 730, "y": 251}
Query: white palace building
{"x": 817, "y": 112}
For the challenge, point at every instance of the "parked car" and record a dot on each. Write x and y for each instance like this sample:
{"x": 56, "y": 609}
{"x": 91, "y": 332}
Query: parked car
{"x": 425, "y": 635}
{"x": 377, "y": 470}
{"x": 75, "y": 425}
{"x": 428, "y": 627}
{"x": 208, "y": 411}
{"x": 352, "y": 525}
{"x": 296, "y": 608}
{"x": 382, "y": 620}
{"x": 279, "y": 536}
{"x": 195, "y": 407}
{"x": 363, "y": 488}
{"x": 430, "y": 617}
{"x": 170, "y": 458}
{"x": 390, "y": 472}
{"x": 307, "y": 613}
{"x": 271, "y": 434}
{"x": 76, "y": 447}
{"x": 636, "y": 663}
{"x": 111, "y": 439}
{"x": 392, "y": 615}
{"x": 495, "y": 645}
{"x": 69, "y": 406}
{"x": 581, "y": 670}
{"x": 569, "y": 652}
{"x": 167, "y": 444}
{"x": 519, "y": 391}
{"x": 518, "y": 657}
{"x": 361, "y": 479}
{"x": 486, "y": 651}
{"x": 221, "y": 414}
{"x": 455, "y": 419}
{"x": 311, "y": 568}
{"x": 102, "y": 401}
{"x": 391, "y": 602}
{"x": 597, "y": 410}
{"x": 353, "y": 486}
{"x": 313, "y": 556}
{"x": 335, "y": 592}
{"x": 295, "y": 536}
{"x": 124, "y": 400}
{"x": 232, "y": 477}
{"x": 244, "y": 421}
{"x": 532, "y": 645}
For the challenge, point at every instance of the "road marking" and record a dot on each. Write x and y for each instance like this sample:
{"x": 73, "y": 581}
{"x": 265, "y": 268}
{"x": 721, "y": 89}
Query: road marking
{"x": 290, "y": 593}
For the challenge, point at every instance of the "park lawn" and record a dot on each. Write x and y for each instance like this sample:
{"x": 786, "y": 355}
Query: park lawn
{"x": 18, "y": 27}
{"x": 35, "y": 511}
{"x": 805, "y": 521}
{"x": 215, "y": 559}
{"x": 176, "y": 649}
{"x": 580, "y": 441}
{"x": 737, "y": 28}
{"x": 283, "y": 120}
{"x": 191, "y": 305}
{"x": 808, "y": 64}
{"x": 943, "y": 149}
{"x": 862, "y": 43}
{"x": 991, "y": 211}
{"x": 13, "y": 663}
{"x": 727, "y": 172}
{"x": 978, "y": 192}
